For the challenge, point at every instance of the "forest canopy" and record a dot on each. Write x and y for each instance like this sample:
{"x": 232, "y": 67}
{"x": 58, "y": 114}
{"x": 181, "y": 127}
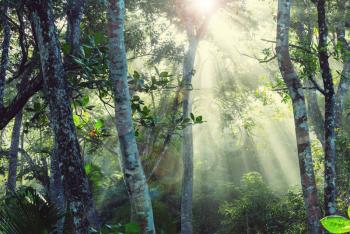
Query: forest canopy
{"x": 174, "y": 116}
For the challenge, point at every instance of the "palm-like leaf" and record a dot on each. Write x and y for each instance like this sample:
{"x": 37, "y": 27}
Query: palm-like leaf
{"x": 27, "y": 212}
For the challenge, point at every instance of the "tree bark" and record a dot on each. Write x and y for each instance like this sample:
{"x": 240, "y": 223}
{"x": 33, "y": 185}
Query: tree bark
{"x": 13, "y": 154}
{"x": 75, "y": 182}
{"x": 329, "y": 125}
{"x": 187, "y": 138}
{"x": 344, "y": 83}
{"x": 305, "y": 35}
{"x": 5, "y": 50}
{"x": 300, "y": 118}
{"x": 56, "y": 188}
{"x": 315, "y": 115}
{"x": 75, "y": 12}
{"x": 131, "y": 164}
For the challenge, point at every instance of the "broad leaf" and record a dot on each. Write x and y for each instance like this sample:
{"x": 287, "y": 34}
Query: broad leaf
{"x": 336, "y": 224}
{"x": 99, "y": 124}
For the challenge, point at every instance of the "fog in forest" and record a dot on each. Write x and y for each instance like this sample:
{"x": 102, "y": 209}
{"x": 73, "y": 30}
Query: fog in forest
{"x": 174, "y": 116}
{"x": 259, "y": 138}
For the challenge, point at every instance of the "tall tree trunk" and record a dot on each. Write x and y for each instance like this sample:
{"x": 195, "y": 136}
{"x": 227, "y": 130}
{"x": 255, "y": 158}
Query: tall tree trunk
{"x": 300, "y": 118}
{"x": 75, "y": 182}
{"x": 305, "y": 35}
{"x": 344, "y": 84}
{"x": 13, "y": 154}
{"x": 131, "y": 164}
{"x": 329, "y": 125}
{"x": 187, "y": 138}
{"x": 5, "y": 50}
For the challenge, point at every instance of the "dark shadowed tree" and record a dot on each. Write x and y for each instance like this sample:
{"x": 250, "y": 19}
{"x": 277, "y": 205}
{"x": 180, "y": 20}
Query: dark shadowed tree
{"x": 330, "y": 117}
{"x": 75, "y": 183}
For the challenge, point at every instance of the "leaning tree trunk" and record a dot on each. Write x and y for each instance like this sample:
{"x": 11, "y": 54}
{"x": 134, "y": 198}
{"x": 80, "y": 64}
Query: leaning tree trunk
{"x": 329, "y": 120}
{"x": 133, "y": 171}
{"x": 75, "y": 182}
{"x": 300, "y": 118}
{"x": 13, "y": 154}
{"x": 5, "y": 50}
{"x": 187, "y": 138}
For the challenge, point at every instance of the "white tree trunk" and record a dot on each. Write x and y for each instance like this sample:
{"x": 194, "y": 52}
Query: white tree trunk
{"x": 133, "y": 171}
{"x": 187, "y": 137}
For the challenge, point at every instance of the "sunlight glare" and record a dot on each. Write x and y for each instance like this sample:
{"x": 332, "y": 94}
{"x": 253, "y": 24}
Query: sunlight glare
{"x": 203, "y": 6}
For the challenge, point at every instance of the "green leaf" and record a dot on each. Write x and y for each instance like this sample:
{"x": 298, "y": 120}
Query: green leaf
{"x": 192, "y": 117}
{"x": 88, "y": 168}
{"x": 85, "y": 100}
{"x": 336, "y": 224}
{"x": 199, "y": 119}
{"x": 99, "y": 124}
{"x": 349, "y": 211}
{"x": 79, "y": 61}
{"x": 98, "y": 37}
{"x": 37, "y": 106}
{"x": 132, "y": 228}
{"x": 87, "y": 51}
{"x": 76, "y": 120}
{"x": 164, "y": 74}
{"x": 136, "y": 75}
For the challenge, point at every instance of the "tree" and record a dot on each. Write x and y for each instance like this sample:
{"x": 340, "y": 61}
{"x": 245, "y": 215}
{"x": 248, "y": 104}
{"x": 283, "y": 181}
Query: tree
{"x": 75, "y": 183}
{"x": 5, "y": 50}
{"x": 300, "y": 117}
{"x": 13, "y": 154}
{"x": 134, "y": 175}
{"x": 330, "y": 117}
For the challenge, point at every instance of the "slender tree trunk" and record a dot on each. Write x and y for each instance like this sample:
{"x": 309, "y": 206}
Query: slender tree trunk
{"x": 344, "y": 84}
{"x": 343, "y": 91}
{"x": 13, "y": 154}
{"x": 329, "y": 126}
{"x": 314, "y": 113}
{"x": 169, "y": 135}
{"x": 305, "y": 35}
{"x": 300, "y": 117}
{"x": 75, "y": 182}
{"x": 187, "y": 138}
{"x": 131, "y": 164}
{"x": 5, "y": 50}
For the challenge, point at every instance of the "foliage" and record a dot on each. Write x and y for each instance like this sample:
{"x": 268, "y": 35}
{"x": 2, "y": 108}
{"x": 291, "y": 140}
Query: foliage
{"x": 336, "y": 223}
{"x": 128, "y": 228}
{"x": 255, "y": 207}
{"x": 27, "y": 212}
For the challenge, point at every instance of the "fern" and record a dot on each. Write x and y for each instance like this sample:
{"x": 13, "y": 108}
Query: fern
{"x": 28, "y": 212}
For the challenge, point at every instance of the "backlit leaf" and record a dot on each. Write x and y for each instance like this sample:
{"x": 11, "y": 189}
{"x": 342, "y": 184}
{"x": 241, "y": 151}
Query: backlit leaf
{"x": 336, "y": 224}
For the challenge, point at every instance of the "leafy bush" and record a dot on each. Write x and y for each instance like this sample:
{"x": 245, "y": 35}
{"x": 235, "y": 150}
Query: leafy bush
{"x": 258, "y": 209}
